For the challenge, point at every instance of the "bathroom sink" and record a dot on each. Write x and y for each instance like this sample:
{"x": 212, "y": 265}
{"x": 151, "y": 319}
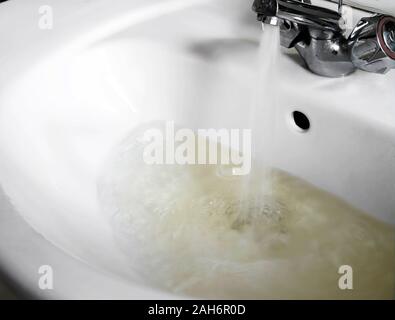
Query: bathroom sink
{"x": 70, "y": 94}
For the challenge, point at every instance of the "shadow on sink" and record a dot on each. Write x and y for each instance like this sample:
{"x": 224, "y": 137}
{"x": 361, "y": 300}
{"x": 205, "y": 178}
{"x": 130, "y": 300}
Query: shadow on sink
{"x": 217, "y": 49}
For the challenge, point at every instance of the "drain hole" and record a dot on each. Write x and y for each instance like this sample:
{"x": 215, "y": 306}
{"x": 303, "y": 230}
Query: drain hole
{"x": 301, "y": 121}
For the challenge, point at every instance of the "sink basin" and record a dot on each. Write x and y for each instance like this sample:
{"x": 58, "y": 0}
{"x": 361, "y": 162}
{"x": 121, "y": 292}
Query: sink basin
{"x": 69, "y": 95}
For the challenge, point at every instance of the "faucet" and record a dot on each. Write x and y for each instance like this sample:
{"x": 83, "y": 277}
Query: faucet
{"x": 318, "y": 37}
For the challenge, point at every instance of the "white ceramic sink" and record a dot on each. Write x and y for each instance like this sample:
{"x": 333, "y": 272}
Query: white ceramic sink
{"x": 69, "y": 95}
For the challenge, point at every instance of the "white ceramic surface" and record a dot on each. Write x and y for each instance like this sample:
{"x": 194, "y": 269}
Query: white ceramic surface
{"x": 375, "y": 5}
{"x": 68, "y": 95}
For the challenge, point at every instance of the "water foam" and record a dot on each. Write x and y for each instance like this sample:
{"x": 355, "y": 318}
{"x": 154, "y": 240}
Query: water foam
{"x": 193, "y": 230}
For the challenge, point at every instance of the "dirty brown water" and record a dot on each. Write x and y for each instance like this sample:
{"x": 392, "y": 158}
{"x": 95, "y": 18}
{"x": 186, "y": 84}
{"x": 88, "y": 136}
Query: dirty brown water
{"x": 196, "y": 230}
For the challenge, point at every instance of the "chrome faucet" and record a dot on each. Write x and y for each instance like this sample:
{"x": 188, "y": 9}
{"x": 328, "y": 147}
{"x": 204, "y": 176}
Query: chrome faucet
{"x": 318, "y": 37}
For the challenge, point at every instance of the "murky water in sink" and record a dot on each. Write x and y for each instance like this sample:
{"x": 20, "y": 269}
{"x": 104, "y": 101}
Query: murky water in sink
{"x": 196, "y": 231}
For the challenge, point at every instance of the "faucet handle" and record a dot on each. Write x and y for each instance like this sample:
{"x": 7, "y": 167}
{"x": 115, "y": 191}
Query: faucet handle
{"x": 373, "y": 44}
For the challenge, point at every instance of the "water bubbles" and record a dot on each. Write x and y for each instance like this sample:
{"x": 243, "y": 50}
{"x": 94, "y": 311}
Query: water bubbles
{"x": 200, "y": 231}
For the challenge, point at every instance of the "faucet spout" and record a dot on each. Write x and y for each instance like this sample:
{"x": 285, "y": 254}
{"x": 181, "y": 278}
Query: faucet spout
{"x": 317, "y": 35}
{"x": 301, "y": 12}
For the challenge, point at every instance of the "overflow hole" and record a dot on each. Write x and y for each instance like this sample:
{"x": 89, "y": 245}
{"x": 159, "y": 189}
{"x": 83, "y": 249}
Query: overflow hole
{"x": 301, "y": 121}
